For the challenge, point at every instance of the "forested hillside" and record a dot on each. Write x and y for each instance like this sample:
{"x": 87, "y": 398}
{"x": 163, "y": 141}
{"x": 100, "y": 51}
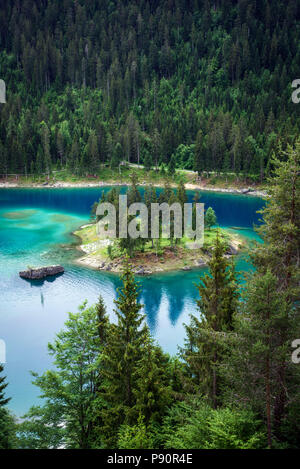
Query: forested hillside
{"x": 204, "y": 84}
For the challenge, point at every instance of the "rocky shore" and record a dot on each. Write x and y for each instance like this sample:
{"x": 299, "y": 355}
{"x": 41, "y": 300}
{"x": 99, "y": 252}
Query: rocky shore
{"x": 148, "y": 263}
{"x": 189, "y": 186}
{"x": 41, "y": 272}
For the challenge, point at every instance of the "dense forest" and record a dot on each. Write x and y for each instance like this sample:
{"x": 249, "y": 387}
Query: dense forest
{"x": 203, "y": 85}
{"x": 234, "y": 383}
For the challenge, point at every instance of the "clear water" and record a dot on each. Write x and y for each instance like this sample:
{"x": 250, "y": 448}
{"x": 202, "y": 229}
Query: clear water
{"x": 34, "y": 223}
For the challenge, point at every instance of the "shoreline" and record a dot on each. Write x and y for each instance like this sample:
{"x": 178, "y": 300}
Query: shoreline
{"x": 94, "y": 256}
{"x": 189, "y": 186}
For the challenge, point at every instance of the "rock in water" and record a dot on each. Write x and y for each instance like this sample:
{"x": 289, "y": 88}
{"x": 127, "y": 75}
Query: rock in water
{"x": 42, "y": 272}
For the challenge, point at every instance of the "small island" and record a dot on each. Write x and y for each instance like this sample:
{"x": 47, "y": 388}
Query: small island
{"x": 41, "y": 272}
{"x": 152, "y": 256}
{"x": 106, "y": 255}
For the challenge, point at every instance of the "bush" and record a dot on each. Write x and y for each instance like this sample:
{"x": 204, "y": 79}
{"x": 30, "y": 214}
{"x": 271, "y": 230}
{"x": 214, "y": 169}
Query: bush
{"x": 207, "y": 428}
{"x": 135, "y": 436}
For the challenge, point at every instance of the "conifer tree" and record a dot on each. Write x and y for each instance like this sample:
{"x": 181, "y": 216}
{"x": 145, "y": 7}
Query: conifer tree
{"x": 103, "y": 321}
{"x": 210, "y": 218}
{"x": 181, "y": 194}
{"x": 200, "y": 154}
{"x": 256, "y": 351}
{"x": 173, "y": 200}
{"x": 3, "y": 400}
{"x": 150, "y": 197}
{"x": 153, "y": 393}
{"x": 148, "y": 162}
{"x": 46, "y": 148}
{"x": 172, "y": 166}
{"x": 280, "y": 254}
{"x": 124, "y": 350}
{"x": 7, "y": 426}
{"x": 205, "y": 335}
{"x": 281, "y": 228}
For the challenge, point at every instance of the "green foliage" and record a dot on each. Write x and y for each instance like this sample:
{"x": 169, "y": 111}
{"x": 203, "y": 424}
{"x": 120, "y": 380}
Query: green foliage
{"x": 3, "y": 400}
{"x": 197, "y": 426}
{"x": 124, "y": 350}
{"x": 204, "y": 347}
{"x": 154, "y": 389}
{"x": 281, "y": 228}
{"x": 233, "y": 386}
{"x": 7, "y": 422}
{"x": 257, "y": 351}
{"x": 42, "y": 428}
{"x": 135, "y": 436}
{"x": 8, "y": 430}
{"x": 69, "y": 390}
{"x": 75, "y": 100}
{"x": 210, "y": 218}
{"x": 261, "y": 372}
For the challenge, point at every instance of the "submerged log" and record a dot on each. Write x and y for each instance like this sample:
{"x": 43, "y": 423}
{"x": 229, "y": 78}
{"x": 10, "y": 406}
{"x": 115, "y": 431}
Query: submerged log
{"x": 42, "y": 272}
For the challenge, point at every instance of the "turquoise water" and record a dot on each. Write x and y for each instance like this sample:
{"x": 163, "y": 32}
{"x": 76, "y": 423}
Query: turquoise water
{"x": 34, "y": 224}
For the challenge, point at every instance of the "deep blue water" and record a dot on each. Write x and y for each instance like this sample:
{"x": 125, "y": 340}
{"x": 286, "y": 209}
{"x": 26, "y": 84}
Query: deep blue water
{"x": 231, "y": 209}
{"x": 33, "y": 225}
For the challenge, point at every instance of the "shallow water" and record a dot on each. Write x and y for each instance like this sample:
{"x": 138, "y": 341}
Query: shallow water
{"x": 33, "y": 225}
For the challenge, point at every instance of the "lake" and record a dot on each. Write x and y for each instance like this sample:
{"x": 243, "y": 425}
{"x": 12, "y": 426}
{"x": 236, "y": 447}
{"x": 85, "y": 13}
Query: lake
{"x": 34, "y": 223}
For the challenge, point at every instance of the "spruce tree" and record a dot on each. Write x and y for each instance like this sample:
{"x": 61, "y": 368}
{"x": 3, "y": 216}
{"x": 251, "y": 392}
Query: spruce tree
{"x": 200, "y": 154}
{"x": 210, "y": 218}
{"x": 256, "y": 351}
{"x": 3, "y": 400}
{"x": 150, "y": 197}
{"x": 280, "y": 254}
{"x": 123, "y": 352}
{"x": 172, "y": 166}
{"x": 181, "y": 194}
{"x": 148, "y": 162}
{"x": 205, "y": 335}
{"x": 7, "y": 426}
{"x": 154, "y": 392}
{"x": 172, "y": 200}
{"x": 281, "y": 228}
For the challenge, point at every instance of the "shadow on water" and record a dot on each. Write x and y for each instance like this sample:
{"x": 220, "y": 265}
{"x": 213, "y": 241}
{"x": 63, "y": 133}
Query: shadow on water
{"x": 151, "y": 298}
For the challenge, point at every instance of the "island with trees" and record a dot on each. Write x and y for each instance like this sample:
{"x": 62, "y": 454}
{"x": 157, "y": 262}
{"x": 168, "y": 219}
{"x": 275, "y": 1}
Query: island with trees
{"x": 148, "y": 255}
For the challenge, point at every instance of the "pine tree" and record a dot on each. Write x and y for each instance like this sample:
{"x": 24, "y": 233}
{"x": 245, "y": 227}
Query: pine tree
{"x": 92, "y": 152}
{"x": 103, "y": 321}
{"x": 205, "y": 335}
{"x": 124, "y": 350}
{"x": 210, "y": 218}
{"x": 7, "y": 426}
{"x": 280, "y": 254}
{"x": 172, "y": 166}
{"x": 156, "y": 147}
{"x": 153, "y": 393}
{"x": 148, "y": 162}
{"x": 281, "y": 228}
{"x": 172, "y": 200}
{"x": 256, "y": 351}
{"x": 181, "y": 194}
{"x": 46, "y": 149}
{"x": 3, "y": 401}
{"x": 150, "y": 197}
{"x": 200, "y": 154}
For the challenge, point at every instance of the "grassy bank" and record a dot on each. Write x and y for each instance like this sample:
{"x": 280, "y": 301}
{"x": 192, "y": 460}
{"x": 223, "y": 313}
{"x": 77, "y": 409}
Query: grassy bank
{"x": 107, "y": 176}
